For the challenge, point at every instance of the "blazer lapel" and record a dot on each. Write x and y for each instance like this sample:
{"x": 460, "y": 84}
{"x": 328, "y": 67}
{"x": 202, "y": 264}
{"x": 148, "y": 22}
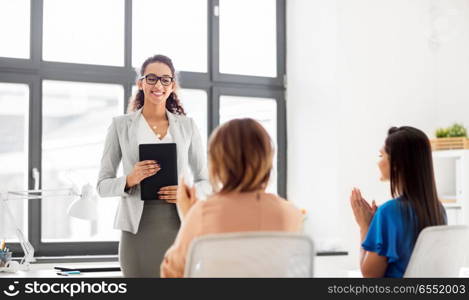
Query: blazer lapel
{"x": 133, "y": 133}
{"x": 178, "y": 135}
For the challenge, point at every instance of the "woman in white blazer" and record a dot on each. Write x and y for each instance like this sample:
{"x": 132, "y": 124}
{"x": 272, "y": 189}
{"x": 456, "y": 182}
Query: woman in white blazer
{"x": 155, "y": 116}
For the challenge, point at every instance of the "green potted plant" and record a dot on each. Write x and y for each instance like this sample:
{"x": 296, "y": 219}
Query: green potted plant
{"x": 441, "y": 133}
{"x": 453, "y": 137}
{"x": 456, "y": 130}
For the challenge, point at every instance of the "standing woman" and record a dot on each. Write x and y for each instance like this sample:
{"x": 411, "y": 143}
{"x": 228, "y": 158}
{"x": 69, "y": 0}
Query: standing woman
{"x": 155, "y": 116}
{"x": 388, "y": 233}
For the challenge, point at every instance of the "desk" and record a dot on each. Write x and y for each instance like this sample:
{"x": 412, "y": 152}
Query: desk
{"x": 326, "y": 264}
{"x": 47, "y": 270}
{"x": 331, "y": 253}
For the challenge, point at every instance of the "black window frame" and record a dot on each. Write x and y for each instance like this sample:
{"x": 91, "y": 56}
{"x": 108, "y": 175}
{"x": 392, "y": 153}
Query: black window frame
{"x": 34, "y": 71}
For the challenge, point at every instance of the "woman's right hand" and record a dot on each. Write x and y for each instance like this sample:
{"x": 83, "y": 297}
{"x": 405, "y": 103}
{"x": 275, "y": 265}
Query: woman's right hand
{"x": 185, "y": 198}
{"x": 142, "y": 170}
{"x": 362, "y": 210}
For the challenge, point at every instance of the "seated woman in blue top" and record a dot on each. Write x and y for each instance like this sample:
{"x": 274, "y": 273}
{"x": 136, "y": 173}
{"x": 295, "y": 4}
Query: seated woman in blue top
{"x": 388, "y": 233}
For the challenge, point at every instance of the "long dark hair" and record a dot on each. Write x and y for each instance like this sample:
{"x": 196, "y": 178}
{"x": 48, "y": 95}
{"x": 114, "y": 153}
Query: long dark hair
{"x": 173, "y": 104}
{"x": 412, "y": 177}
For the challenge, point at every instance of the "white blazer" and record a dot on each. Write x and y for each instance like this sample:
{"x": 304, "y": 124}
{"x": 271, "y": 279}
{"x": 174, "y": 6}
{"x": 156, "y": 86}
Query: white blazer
{"x": 121, "y": 145}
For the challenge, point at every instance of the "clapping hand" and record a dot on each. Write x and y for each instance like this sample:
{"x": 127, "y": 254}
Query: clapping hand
{"x": 186, "y": 198}
{"x": 362, "y": 210}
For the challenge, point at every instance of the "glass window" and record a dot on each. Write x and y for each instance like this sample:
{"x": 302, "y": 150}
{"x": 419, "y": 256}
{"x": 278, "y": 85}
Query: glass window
{"x": 14, "y": 28}
{"x": 195, "y": 106}
{"x": 84, "y": 31}
{"x": 176, "y": 28}
{"x": 14, "y": 101}
{"x": 248, "y": 42}
{"x": 263, "y": 110}
{"x": 76, "y": 117}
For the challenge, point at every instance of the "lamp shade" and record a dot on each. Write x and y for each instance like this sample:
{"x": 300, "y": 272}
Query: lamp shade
{"x": 86, "y": 206}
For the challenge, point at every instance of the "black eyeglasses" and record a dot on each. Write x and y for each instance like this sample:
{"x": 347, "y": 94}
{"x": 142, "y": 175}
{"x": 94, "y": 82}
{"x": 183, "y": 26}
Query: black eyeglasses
{"x": 152, "y": 79}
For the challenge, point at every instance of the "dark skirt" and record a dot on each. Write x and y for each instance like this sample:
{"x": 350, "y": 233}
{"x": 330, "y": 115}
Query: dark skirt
{"x": 141, "y": 254}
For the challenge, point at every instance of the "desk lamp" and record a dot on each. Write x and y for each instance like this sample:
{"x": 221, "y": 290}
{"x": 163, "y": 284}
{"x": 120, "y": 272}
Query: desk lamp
{"x": 84, "y": 207}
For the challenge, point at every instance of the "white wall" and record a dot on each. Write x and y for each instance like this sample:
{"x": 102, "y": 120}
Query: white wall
{"x": 355, "y": 68}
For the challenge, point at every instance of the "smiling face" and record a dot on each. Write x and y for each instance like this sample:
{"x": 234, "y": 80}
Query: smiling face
{"x": 383, "y": 165}
{"x": 156, "y": 94}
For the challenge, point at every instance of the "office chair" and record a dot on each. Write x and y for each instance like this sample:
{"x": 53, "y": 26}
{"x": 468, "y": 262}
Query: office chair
{"x": 440, "y": 251}
{"x": 251, "y": 254}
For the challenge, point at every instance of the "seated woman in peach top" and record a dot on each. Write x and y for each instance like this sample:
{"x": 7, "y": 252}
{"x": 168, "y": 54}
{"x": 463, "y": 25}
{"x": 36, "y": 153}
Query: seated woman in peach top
{"x": 240, "y": 160}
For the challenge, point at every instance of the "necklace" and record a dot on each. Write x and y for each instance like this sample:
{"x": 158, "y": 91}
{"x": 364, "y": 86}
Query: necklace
{"x": 156, "y": 132}
{"x": 154, "y": 128}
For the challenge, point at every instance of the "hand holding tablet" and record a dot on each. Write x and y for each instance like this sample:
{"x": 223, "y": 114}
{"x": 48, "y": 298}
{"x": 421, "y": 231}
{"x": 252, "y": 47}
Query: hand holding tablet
{"x": 164, "y": 180}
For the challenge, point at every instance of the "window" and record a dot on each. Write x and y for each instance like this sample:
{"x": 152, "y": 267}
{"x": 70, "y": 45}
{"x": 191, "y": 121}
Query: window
{"x": 176, "y": 28}
{"x": 14, "y": 101}
{"x": 248, "y": 47}
{"x": 14, "y": 28}
{"x": 75, "y": 121}
{"x": 195, "y": 105}
{"x": 69, "y": 67}
{"x": 84, "y": 31}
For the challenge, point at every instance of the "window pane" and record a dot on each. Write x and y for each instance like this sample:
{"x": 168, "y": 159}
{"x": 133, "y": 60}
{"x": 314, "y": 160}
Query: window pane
{"x": 76, "y": 117}
{"x": 263, "y": 110}
{"x": 84, "y": 31}
{"x": 195, "y": 105}
{"x": 176, "y": 28}
{"x": 14, "y": 28}
{"x": 248, "y": 43}
{"x": 14, "y": 101}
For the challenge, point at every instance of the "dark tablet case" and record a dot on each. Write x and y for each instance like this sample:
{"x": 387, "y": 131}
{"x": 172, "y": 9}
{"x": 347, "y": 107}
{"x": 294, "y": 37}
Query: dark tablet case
{"x": 89, "y": 269}
{"x": 166, "y": 157}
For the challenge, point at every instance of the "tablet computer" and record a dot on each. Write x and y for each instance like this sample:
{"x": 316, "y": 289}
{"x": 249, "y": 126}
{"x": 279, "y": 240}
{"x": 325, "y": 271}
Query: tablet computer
{"x": 166, "y": 156}
{"x": 89, "y": 269}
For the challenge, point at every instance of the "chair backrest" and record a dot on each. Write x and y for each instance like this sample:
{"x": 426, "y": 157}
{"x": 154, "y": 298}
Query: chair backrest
{"x": 440, "y": 251}
{"x": 251, "y": 254}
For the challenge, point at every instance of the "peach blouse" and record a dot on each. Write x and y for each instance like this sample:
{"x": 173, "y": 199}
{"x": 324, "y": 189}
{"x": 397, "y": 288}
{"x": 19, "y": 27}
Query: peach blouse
{"x": 234, "y": 212}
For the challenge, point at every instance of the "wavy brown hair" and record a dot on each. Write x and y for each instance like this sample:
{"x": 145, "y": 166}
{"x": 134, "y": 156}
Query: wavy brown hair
{"x": 173, "y": 104}
{"x": 412, "y": 177}
{"x": 240, "y": 157}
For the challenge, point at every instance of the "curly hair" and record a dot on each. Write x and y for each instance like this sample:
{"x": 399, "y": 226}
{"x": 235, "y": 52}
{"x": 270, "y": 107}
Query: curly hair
{"x": 173, "y": 104}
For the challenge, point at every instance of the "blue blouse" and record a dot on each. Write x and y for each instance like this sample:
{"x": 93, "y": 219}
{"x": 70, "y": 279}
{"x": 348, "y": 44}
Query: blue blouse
{"x": 389, "y": 235}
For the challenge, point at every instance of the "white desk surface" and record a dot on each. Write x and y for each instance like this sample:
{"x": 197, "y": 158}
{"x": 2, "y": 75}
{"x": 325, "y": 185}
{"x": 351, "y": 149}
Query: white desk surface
{"x": 324, "y": 266}
{"x": 39, "y": 270}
